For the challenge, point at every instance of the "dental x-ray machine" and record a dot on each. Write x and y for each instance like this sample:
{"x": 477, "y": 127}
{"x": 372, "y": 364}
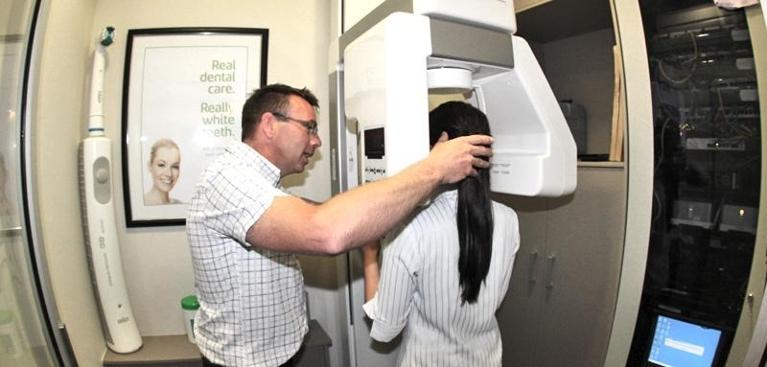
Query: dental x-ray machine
{"x": 390, "y": 61}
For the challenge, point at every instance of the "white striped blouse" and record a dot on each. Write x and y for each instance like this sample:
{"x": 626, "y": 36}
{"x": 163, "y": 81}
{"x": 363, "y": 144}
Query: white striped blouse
{"x": 419, "y": 288}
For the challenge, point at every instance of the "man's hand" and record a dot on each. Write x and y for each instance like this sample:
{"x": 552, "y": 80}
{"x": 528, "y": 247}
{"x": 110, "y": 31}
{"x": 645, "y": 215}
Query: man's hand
{"x": 460, "y": 157}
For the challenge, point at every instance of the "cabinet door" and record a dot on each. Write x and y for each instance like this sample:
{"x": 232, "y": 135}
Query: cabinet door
{"x": 561, "y": 299}
{"x": 581, "y": 269}
{"x": 520, "y": 315}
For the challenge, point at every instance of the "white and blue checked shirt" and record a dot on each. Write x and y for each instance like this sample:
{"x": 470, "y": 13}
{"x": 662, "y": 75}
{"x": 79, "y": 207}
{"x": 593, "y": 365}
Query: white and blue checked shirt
{"x": 252, "y": 310}
{"x": 419, "y": 290}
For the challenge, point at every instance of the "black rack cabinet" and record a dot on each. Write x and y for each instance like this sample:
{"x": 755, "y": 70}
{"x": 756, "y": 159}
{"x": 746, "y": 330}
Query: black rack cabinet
{"x": 706, "y": 178}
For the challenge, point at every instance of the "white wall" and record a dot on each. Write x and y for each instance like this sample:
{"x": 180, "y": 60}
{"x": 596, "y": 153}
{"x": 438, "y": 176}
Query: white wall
{"x": 156, "y": 260}
{"x": 355, "y": 10}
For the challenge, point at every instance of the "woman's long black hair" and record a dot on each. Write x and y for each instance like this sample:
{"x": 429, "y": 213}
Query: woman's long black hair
{"x": 474, "y": 217}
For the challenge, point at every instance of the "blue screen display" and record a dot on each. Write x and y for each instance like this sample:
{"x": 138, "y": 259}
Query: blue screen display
{"x": 678, "y": 343}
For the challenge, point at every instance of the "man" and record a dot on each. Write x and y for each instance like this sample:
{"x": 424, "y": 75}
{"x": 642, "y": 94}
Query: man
{"x": 243, "y": 230}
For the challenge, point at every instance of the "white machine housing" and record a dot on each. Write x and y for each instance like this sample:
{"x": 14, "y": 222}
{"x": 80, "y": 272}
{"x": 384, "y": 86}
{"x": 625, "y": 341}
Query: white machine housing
{"x": 497, "y": 14}
{"x": 390, "y": 66}
{"x": 380, "y": 73}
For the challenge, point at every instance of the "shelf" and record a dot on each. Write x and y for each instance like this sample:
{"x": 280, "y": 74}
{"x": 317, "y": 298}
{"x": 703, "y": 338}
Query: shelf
{"x": 601, "y": 164}
{"x": 172, "y": 350}
{"x": 522, "y": 5}
{"x": 177, "y": 351}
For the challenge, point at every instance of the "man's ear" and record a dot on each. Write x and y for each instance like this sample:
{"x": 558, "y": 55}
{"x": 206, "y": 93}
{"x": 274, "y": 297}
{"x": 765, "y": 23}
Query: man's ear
{"x": 268, "y": 125}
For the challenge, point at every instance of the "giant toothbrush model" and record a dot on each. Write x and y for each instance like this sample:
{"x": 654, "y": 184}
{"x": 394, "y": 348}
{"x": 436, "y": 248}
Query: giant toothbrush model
{"x": 97, "y": 201}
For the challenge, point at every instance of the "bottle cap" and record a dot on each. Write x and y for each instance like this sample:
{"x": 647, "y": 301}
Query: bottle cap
{"x": 190, "y": 303}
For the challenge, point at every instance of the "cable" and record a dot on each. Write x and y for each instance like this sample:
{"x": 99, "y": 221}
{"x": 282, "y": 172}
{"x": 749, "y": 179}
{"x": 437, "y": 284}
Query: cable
{"x": 693, "y": 59}
{"x": 662, "y": 143}
{"x": 739, "y": 129}
{"x": 660, "y": 206}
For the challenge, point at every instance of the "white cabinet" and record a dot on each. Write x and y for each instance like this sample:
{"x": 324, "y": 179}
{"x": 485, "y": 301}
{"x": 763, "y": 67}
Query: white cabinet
{"x": 561, "y": 299}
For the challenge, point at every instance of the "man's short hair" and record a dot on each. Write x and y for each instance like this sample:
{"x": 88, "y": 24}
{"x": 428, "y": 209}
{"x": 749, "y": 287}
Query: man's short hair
{"x": 271, "y": 98}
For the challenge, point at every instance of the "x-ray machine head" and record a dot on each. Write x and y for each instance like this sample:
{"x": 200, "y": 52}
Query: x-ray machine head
{"x": 404, "y": 48}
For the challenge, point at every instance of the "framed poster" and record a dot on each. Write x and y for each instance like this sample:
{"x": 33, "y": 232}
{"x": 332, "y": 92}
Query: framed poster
{"x": 183, "y": 93}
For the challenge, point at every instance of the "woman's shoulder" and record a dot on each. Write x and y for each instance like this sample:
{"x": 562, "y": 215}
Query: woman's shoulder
{"x": 428, "y": 221}
{"x": 435, "y": 215}
{"x": 503, "y": 210}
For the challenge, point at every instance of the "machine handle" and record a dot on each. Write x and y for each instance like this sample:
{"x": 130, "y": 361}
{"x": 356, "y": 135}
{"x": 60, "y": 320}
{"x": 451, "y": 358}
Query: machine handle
{"x": 531, "y": 273}
{"x": 333, "y": 164}
{"x": 551, "y": 259}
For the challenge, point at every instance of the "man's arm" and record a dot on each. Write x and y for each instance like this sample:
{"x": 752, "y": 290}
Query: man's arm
{"x": 366, "y": 213}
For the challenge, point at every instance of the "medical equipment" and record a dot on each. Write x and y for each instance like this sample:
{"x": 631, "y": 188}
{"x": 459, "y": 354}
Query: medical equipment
{"x": 404, "y": 49}
{"x": 97, "y": 202}
{"x": 389, "y": 62}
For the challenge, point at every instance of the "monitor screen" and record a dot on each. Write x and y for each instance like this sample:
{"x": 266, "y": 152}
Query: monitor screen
{"x": 678, "y": 343}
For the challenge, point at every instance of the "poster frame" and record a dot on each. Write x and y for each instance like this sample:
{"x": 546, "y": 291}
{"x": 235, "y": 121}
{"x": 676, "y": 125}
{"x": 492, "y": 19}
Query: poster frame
{"x": 138, "y": 118}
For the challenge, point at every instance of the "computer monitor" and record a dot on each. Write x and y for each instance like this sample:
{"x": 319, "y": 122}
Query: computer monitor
{"x": 678, "y": 343}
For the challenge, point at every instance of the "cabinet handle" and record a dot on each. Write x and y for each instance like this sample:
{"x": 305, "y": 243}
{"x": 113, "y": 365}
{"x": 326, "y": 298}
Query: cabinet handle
{"x": 531, "y": 273}
{"x": 551, "y": 259}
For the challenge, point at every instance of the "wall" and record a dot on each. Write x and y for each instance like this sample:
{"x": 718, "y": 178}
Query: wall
{"x": 156, "y": 260}
{"x": 584, "y": 63}
{"x": 354, "y": 11}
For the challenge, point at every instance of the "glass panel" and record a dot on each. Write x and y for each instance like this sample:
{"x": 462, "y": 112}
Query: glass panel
{"x": 706, "y": 183}
{"x": 23, "y": 334}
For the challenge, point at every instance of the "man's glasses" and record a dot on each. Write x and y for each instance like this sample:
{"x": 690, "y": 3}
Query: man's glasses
{"x": 310, "y": 125}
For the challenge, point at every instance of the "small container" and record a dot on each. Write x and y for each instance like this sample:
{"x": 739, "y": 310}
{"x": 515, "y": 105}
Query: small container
{"x": 575, "y": 115}
{"x": 190, "y": 305}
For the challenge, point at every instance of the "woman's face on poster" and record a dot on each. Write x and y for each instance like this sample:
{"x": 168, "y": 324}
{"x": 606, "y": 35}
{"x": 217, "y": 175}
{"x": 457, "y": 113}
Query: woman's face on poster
{"x": 165, "y": 168}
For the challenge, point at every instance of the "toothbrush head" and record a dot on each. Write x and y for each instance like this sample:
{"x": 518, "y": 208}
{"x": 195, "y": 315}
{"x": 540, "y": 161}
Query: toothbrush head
{"x": 108, "y": 36}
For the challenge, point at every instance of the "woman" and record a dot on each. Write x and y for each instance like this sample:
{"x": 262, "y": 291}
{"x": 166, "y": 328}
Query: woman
{"x": 446, "y": 272}
{"x": 164, "y": 165}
